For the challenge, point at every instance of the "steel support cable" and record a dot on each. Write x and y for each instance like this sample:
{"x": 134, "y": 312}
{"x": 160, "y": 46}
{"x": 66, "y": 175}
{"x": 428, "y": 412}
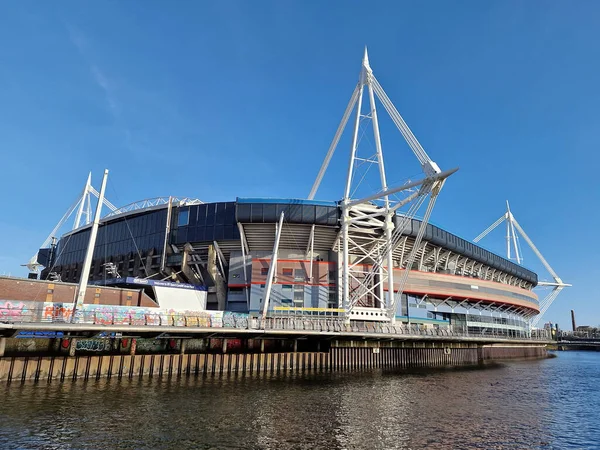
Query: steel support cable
{"x": 415, "y": 249}
{"x": 334, "y": 142}
{"x": 535, "y": 250}
{"x": 549, "y": 300}
{"x": 66, "y": 215}
{"x": 490, "y": 229}
{"x": 400, "y": 123}
{"x": 104, "y": 201}
{"x": 131, "y": 234}
{"x": 355, "y": 167}
{"x": 405, "y": 130}
{"x": 62, "y": 250}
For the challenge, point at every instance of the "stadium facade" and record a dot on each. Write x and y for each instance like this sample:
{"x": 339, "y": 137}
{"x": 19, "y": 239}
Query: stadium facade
{"x": 227, "y": 247}
{"x": 365, "y": 259}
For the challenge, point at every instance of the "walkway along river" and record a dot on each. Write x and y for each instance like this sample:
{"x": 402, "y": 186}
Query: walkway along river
{"x": 56, "y": 350}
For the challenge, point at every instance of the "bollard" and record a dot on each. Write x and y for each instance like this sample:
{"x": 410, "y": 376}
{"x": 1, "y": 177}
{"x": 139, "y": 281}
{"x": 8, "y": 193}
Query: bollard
{"x": 73, "y": 347}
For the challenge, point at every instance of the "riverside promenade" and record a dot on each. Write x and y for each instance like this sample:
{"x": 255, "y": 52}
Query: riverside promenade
{"x": 226, "y": 343}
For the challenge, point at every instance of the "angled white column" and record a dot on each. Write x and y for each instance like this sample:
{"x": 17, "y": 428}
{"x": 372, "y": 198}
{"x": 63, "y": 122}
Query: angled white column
{"x": 87, "y": 262}
{"x": 272, "y": 268}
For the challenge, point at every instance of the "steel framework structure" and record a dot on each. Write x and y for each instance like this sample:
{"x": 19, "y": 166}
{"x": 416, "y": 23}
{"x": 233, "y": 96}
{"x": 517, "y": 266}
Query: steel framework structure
{"x": 512, "y": 228}
{"x": 83, "y": 205}
{"x": 154, "y": 202}
{"x": 368, "y": 232}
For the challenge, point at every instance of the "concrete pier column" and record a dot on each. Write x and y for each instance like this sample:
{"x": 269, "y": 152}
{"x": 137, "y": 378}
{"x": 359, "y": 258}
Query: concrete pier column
{"x": 2, "y": 346}
{"x": 182, "y": 346}
{"x": 295, "y": 345}
{"x": 72, "y": 347}
{"x": 132, "y": 347}
{"x": 224, "y": 345}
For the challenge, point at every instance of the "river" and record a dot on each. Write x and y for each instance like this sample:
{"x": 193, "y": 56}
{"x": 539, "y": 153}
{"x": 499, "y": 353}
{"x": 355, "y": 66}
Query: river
{"x": 549, "y": 404}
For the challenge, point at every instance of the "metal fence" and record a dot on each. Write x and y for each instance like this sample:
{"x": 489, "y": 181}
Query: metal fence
{"x": 228, "y": 319}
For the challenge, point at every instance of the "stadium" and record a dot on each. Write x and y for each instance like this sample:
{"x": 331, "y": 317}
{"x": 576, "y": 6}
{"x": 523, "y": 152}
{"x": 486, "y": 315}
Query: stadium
{"x": 366, "y": 259}
{"x": 227, "y": 247}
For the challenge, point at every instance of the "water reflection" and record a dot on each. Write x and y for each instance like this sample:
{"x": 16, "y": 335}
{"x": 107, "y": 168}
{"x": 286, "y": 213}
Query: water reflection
{"x": 536, "y": 404}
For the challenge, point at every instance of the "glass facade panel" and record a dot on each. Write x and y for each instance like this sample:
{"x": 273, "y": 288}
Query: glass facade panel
{"x": 183, "y": 218}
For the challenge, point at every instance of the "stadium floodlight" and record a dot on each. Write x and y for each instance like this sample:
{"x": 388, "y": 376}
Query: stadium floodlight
{"x": 84, "y": 208}
{"x": 366, "y": 274}
{"x": 512, "y": 228}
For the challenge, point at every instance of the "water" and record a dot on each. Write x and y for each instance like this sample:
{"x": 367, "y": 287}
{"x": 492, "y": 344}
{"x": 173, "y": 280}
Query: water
{"x": 548, "y": 404}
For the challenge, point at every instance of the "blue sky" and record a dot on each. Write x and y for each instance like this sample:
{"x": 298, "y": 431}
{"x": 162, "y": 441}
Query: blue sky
{"x": 222, "y": 99}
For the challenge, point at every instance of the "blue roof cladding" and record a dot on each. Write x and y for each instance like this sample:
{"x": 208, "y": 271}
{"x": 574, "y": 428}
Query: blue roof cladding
{"x": 296, "y": 211}
{"x": 287, "y": 201}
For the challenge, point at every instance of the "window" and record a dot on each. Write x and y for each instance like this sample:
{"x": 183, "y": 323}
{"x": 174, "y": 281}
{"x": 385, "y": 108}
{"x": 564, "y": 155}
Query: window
{"x": 333, "y": 295}
{"x": 184, "y": 217}
{"x": 287, "y": 272}
{"x": 236, "y": 289}
{"x": 332, "y": 276}
{"x": 332, "y": 305}
{"x": 286, "y": 301}
{"x": 299, "y": 294}
{"x": 286, "y": 287}
{"x": 264, "y": 270}
{"x": 299, "y": 275}
{"x": 262, "y": 286}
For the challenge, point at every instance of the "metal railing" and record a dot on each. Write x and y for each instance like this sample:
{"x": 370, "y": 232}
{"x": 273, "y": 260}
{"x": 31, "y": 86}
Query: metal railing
{"x": 244, "y": 321}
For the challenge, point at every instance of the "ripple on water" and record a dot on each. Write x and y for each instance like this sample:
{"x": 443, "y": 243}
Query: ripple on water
{"x": 547, "y": 404}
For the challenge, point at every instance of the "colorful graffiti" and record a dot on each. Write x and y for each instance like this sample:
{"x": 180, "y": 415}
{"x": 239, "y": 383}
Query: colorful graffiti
{"x": 11, "y": 311}
{"x": 235, "y": 320}
{"x": 93, "y": 345}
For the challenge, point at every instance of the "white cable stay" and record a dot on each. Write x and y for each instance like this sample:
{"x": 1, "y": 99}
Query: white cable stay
{"x": 513, "y": 229}
{"x": 83, "y": 206}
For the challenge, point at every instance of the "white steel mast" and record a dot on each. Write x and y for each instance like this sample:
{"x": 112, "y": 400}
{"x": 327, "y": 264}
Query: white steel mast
{"x": 378, "y": 254}
{"x": 83, "y": 205}
{"x": 513, "y": 227}
{"x": 87, "y": 262}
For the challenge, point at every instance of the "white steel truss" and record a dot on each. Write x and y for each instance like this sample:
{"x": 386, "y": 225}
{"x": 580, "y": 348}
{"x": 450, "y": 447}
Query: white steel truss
{"x": 513, "y": 227}
{"x": 368, "y": 231}
{"x": 154, "y": 202}
{"x": 84, "y": 208}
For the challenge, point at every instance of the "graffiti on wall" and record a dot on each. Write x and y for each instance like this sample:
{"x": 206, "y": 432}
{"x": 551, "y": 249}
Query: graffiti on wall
{"x": 26, "y": 311}
{"x": 93, "y": 345}
{"x": 10, "y": 309}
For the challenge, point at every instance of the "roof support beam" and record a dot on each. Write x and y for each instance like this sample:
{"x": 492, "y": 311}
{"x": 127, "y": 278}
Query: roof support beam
{"x": 272, "y": 268}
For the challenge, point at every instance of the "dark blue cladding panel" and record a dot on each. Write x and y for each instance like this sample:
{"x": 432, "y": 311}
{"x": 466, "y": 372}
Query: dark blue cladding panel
{"x": 295, "y": 211}
{"x": 438, "y": 236}
{"x": 208, "y": 222}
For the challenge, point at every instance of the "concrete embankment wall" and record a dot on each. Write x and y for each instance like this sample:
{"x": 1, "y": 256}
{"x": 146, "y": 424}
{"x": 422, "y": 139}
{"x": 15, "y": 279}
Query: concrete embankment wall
{"x": 87, "y": 359}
